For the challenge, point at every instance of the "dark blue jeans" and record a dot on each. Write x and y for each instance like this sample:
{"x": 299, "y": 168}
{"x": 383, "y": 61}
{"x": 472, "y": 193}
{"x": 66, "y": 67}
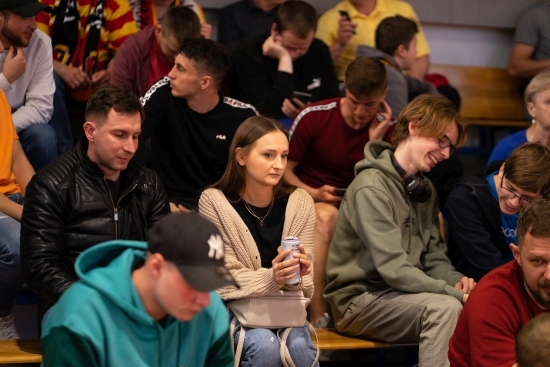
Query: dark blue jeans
{"x": 60, "y": 118}
{"x": 11, "y": 278}
{"x": 39, "y": 142}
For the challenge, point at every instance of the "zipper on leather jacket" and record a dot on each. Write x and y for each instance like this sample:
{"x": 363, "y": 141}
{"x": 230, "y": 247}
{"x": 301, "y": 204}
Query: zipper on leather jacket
{"x": 115, "y": 207}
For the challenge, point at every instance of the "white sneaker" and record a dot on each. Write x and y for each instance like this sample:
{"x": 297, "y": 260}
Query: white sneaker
{"x": 7, "y": 328}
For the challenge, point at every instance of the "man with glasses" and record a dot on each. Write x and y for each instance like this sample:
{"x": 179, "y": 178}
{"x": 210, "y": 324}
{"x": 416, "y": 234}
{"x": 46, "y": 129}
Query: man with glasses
{"x": 508, "y": 297}
{"x": 483, "y": 209}
{"x": 388, "y": 275}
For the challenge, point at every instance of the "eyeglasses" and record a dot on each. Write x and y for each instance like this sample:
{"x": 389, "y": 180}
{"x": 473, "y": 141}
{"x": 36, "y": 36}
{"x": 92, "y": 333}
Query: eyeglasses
{"x": 445, "y": 142}
{"x": 523, "y": 201}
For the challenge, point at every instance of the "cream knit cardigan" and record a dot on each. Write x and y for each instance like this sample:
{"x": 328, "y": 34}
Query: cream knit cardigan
{"x": 242, "y": 257}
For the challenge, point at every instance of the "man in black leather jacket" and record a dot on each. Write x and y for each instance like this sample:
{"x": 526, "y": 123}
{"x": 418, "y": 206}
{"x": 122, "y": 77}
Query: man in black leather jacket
{"x": 93, "y": 193}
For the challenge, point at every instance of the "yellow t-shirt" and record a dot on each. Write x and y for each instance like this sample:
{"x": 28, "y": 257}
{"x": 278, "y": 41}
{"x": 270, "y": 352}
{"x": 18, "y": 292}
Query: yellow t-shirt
{"x": 327, "y": 28}
{"x": 7, "y": 136}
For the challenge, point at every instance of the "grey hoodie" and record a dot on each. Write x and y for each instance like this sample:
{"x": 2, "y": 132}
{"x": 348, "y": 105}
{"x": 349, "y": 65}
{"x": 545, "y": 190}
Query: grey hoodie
{"x": 385, "y": 240}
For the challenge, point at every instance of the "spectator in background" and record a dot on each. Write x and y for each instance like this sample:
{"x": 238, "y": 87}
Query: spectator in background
{"x": 15, "y": 173}
{"x": 343, "y": 34}
{"x": 483, "y": 209}
{"x": 26, "y": 79}
{"x": 145, "y": 304}
{"x": 245, "y": 19}
{"x": 326, "y": 141}
{"x": 149, "y": 55}
{"x": 150, "y": 12}
{"x": 388, "y": 275}
{"x": 85, "y": 37}
{"x": 507, "y": 298}
{"x": 530, "y": 52}
{"x": 537, "y": 98}
{"x": 533, "y": 343}
{"x": 396, "y": 48}
{"x": 189, "y": 124}
{"x": 93, "y": 193}
{"x": 267, "y": 69}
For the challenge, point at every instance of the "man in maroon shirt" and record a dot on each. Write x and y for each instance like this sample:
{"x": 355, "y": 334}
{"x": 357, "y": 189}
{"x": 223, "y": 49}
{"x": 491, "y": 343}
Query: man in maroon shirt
{"x": 506, "y": 298}
{"x": 326, "y": 140}
{"x": 148, "y": 56}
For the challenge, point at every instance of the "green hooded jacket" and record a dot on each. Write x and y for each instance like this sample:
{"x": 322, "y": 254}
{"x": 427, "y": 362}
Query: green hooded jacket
{"x": 100, "y": 320}
{"x": 385, "y": 240}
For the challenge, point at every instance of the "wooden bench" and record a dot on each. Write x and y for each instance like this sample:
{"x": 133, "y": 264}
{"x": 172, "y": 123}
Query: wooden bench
{"x": 488, "y": 96}
{"x": 20, "y": 351}
{"x": 330, "y": 339}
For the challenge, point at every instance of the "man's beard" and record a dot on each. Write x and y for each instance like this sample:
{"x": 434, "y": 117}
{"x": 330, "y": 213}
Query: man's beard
{"x": 14, "y": 39}
{"x": 538, "y": 295}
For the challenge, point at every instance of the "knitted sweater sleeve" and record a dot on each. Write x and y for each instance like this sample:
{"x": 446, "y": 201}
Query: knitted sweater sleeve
{"x": 241, "y": 254}
{"x": 300, "y": 221}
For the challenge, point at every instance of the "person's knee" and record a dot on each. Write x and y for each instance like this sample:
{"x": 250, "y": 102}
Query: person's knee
{"x": 448, "y": 308}
{"x": 326, "y": 215}
{"x": 41, "y": 135}
{"x": 301, "y": 347}
{"x": 260, "y": 345}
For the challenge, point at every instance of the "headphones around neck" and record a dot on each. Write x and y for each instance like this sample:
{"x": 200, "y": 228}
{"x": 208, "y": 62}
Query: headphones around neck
{"x": 415, "y": 186}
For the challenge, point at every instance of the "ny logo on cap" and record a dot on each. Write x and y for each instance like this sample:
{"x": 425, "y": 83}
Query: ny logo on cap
{"x": 216, "y": 246}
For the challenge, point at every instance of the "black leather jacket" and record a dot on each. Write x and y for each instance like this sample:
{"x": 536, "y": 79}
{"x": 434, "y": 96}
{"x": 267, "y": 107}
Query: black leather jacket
{"x": 69, "y": 208}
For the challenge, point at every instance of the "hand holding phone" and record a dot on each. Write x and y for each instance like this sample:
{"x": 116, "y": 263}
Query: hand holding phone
{"x": 347, "y": 29}
{"x": 302, "y": 96}
{"x": 339, "y": 191}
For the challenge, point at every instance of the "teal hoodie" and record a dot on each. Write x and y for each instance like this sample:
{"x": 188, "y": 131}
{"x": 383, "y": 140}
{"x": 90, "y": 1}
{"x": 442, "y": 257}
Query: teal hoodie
{"x": 383, "y": 239}
{"x": 100, "y": 320}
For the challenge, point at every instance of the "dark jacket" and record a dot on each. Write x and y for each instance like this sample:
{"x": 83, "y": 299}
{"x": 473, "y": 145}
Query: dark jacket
{"x": 69, "y": 208}
{"x": 476, "y": 244}
{"x": 256, "y": 80}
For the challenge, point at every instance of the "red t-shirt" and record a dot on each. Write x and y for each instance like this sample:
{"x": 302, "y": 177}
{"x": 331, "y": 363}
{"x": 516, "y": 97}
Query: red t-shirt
{"x": 326, "y": 148}
{"x": 159, "y": 67}
{"x": 495, "y": 312}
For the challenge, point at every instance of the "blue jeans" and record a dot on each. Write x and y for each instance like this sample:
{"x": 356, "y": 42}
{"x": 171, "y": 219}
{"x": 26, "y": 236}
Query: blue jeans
{"x": 60, "y": 118}
{"x": 11, "y": 278}
{"x": 262, "y": 348}
{"x": 39, "y": 142}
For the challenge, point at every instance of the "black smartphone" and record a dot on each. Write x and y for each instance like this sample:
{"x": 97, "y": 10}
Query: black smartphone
{"x": 344, "y": 14}
{"x": 339, "y": 191}
{"x": 302, "y": 96}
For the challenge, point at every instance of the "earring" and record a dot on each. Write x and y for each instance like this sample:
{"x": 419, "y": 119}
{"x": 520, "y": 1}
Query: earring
{"x": 533, "y": 121}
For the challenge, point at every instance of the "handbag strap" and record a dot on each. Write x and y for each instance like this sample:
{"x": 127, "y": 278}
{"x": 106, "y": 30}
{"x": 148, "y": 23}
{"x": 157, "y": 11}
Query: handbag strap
{"x": 286, "y": 358}
{"x": 233, "y": 328}
{"x": 283, "y": 350}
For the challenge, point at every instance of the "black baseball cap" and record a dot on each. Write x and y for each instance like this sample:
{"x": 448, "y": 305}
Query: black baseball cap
{"x": 24, "y": 8}
{"x": 194, "y": 244}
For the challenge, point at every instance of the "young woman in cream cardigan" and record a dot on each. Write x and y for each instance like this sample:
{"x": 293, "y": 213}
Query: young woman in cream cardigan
{"x": 254, "y": 208}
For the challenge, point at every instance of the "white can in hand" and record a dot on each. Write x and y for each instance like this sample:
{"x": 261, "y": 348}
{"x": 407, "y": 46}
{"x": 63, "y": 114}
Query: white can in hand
{"x": 293, "y": 244}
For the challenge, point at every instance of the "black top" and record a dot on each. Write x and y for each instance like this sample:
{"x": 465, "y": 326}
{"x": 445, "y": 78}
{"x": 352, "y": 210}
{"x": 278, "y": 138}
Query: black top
{"x": 242, "y": 20}
{"x": 188, "y": 150}
{"x": 476, "y": 244}
{"x": 255, "y": 78}
{"x": 267, "y": 237}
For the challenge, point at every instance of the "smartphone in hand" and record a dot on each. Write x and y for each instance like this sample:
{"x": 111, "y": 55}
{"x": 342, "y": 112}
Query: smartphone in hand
{"x": 339, "y": 191}
{"x": 345, "y": 14}
{"x": 302, "y": 96}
